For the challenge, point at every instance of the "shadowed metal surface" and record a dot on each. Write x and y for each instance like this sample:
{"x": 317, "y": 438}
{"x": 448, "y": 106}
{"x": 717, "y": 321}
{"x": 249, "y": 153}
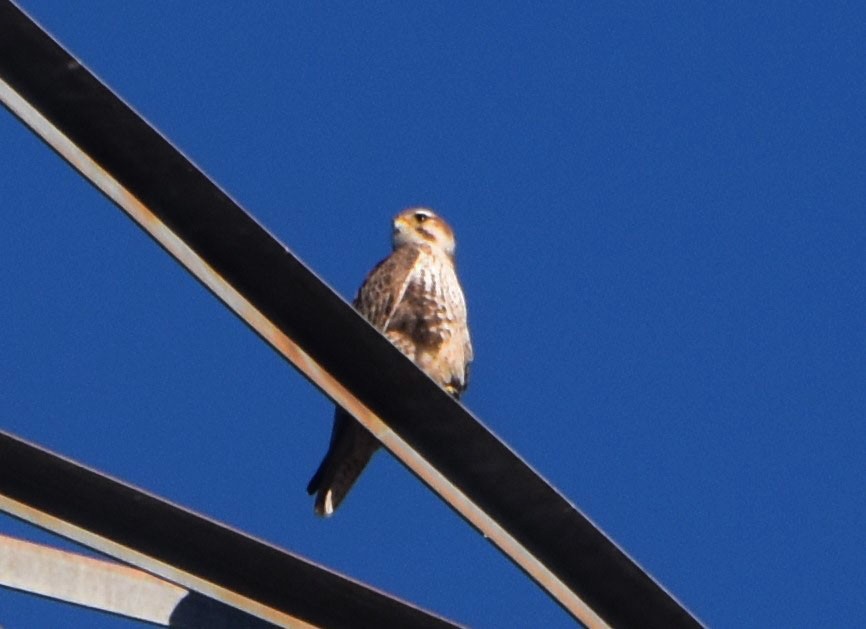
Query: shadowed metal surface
{"x": 290, "y": 307}
{"x": 188, "y": 549}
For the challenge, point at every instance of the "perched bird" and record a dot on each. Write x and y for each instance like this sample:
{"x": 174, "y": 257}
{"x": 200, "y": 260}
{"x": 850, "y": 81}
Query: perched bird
{"x": 414, "y": 298}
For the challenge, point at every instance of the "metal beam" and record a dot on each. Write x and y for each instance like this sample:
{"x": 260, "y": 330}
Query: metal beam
{"x": 185, "y": 548}
{"x": 303, "y": 319}
{"x": 111, "y": 587}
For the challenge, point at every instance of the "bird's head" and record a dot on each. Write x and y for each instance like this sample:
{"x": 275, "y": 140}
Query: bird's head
{"x": 420, "y": 226}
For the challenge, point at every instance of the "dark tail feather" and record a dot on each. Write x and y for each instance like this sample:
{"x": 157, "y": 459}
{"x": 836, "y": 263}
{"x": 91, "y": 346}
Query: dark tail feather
{"x": 350, "y": 451}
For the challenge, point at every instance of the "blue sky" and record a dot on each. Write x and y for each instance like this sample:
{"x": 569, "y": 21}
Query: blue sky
{"x": 660, "y": 223}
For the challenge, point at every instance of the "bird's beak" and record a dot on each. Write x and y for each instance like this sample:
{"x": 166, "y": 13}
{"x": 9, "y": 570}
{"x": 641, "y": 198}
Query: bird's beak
{"x": 397, "y": 234}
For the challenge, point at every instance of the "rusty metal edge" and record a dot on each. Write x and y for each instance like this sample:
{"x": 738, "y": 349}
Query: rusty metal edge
{"x": 188, "y": 549}
{"x": 302, "y": 361}
{"x": 111, "y": 587}
{"x": 132, "y": 557}
{"x": 661, "y": 600}
{"x": 73, "y": 578}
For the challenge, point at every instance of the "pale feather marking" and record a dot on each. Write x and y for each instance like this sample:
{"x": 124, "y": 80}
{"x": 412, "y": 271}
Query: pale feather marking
{"x": 406, "y": 281}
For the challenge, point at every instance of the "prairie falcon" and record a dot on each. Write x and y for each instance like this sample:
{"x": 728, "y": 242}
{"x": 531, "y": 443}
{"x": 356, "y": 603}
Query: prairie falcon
{"x": 414, "y": 298}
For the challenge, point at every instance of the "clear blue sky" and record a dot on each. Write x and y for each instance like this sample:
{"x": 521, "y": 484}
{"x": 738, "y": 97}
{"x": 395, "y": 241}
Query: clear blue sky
{"x": 661, "y": 228}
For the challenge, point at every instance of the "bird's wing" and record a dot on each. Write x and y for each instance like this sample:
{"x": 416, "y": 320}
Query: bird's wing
{"x": 383, "y": 290}
{"x": 351, "y": 444}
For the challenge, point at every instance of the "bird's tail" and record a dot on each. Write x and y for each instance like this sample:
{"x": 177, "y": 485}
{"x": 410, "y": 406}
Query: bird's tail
{"x": 350, "y": 451}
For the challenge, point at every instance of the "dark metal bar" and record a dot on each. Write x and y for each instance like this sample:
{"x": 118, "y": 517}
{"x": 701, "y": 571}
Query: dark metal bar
{"x": 188, "y": 549}
{"x": 314, "y": 328}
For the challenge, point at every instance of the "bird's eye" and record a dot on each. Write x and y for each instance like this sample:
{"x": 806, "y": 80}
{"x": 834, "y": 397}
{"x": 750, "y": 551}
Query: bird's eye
{"x": 421, "y": 217}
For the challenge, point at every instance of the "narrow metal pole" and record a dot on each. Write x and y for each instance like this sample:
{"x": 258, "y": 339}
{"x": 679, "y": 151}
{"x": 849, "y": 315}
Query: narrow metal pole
{"x": 111, "y": 587}
{"x": 304, "y": 320}
{"x": 187, "y": 549}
